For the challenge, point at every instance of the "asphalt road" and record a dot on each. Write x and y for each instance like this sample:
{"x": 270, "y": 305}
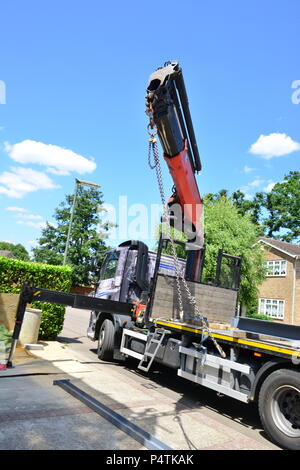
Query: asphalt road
{"x": 240, "y": 417}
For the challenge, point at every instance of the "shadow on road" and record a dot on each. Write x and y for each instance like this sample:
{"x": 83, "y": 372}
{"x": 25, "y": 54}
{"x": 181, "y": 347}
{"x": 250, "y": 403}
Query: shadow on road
{"x": 194, "y": 396}
{"x": 186, "y": 396}
{"x": 67, "y": 340}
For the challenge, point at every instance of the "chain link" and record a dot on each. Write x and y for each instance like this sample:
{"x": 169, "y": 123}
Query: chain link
{"x": 153, "y": 149}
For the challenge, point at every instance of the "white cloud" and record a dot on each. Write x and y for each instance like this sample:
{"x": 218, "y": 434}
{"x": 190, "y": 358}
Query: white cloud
{"x": 244, "y": 190}
{"x": 249, "y": 187}
{"x": 58, "y": 160}
{"x": 248, "y": 169}
{"x": 29, "y": 216}
{"x": 16, "y": 209}
{"x": 33, "y": 243}
{"x": 54, "y": 171}
{"x": 274, "y": 145}
{"x": 20, "y": 181}
{"x": 269, "y": 186}
{"x": 25, "y": 218}
{"x": 29, "y": 223}
{"x": 256, "y": 183}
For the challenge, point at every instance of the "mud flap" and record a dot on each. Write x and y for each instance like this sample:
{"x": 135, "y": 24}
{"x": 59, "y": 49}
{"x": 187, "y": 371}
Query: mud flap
{"x": 119, "y": 322}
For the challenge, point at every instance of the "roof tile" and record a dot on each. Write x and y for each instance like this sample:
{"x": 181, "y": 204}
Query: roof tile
{"x": 290, "y": 248}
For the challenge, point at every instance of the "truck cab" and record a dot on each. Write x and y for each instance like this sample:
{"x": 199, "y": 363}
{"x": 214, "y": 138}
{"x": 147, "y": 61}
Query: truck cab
{"x": 125, "y": 275}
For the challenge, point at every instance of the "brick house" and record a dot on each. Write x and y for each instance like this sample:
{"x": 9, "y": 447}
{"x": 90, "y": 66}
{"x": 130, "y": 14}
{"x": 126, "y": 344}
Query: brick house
{"x": 6, "y": 253}
{"x": 279, "y": 294}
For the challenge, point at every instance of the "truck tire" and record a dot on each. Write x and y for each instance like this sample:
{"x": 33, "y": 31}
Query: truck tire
{"x": 279, "y": 408}
{"x": 106, "y": 341}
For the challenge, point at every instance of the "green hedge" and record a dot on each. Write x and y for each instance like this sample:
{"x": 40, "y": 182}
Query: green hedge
{"x": 13, "y": 273}
{"x": 5, "y": 337}
{"x": 259, "y": 316}
{"x": 252, "y": 311}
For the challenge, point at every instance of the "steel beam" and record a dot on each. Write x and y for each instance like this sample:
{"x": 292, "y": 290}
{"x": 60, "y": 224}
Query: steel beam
{"x": 265, "y": 327}
{"x": 146, "y": 439}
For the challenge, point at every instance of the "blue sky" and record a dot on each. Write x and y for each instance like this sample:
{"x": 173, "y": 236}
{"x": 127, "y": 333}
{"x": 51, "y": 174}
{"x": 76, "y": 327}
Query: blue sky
{"x": 75, "y": 73}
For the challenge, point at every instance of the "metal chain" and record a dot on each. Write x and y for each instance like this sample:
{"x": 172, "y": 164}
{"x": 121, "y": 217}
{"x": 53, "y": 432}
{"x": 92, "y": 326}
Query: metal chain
{"x": 153, "y": 148}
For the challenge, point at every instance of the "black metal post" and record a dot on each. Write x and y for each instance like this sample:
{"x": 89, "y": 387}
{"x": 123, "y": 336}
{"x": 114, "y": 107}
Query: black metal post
{"x": 218, "y": 270}
{"x": 190, "y": 274}
{"x": 154, "y": 280}
{"x": 238, "y": 272}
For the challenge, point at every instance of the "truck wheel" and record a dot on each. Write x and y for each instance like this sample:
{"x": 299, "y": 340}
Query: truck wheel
{"x": 279, "y": 408}
{"x": 106, "y": 341}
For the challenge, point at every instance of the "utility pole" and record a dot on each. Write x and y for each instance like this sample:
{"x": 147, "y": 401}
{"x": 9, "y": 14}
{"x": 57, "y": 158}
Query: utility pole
{"x": 78, "y": 183}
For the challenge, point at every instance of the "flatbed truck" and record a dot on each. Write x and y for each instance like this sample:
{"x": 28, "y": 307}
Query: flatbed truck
{"x": 146, "y": 305}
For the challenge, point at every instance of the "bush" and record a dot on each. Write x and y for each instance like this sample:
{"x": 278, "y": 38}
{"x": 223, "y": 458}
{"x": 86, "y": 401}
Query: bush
{"x": 259, "y": 316}
{"x": 13, "y": 274}
{"x": 5, "y": 337}
{"x": 252, "y": 311}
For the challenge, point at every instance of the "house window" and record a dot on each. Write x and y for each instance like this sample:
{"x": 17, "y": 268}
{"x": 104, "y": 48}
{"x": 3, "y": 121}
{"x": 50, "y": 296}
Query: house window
{"x": 276, "y": 268}
{"x": 272, "y": 307}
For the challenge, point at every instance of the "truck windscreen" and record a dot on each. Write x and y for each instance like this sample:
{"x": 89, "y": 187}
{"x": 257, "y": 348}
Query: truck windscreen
{"x": 109, "y": 267}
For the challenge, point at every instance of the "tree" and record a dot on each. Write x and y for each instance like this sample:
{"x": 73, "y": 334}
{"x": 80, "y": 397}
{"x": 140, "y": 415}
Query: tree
{"x": 19, "y": 251}
{"x": 253, "y": 207}
{"x": 283, "y": 206}
{"x": 276, "y": 212}
{"x": 226, "y": 228}
{"x": 235, "y": 234}
{"x": 216, "y": 196}
{"x": 87, "y": 235}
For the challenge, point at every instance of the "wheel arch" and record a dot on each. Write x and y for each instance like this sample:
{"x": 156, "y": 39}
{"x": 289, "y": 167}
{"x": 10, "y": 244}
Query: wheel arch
{"x": 268, "y": 367}
{"x": 118, "y": 320}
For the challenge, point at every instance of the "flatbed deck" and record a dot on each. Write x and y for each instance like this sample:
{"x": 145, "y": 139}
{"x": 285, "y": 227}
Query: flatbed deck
{"x": 258, "y": 342}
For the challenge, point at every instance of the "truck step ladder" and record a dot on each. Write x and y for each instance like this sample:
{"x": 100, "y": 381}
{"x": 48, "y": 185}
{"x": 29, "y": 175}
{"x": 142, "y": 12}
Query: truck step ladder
{"x": 149, "y": 357}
